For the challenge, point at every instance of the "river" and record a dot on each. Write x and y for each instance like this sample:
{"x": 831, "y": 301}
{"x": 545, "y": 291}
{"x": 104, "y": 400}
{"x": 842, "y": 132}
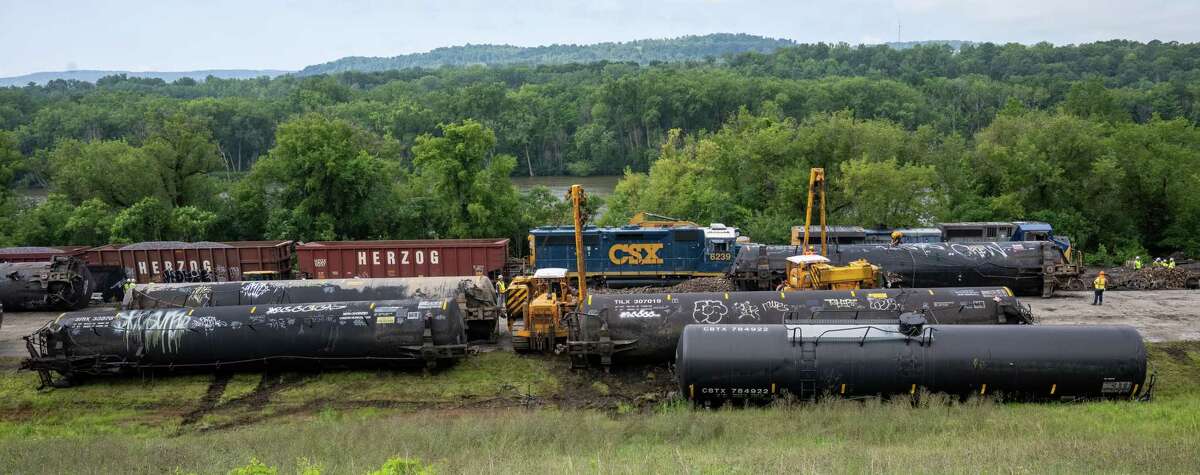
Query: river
{"x": 593, "y": 185}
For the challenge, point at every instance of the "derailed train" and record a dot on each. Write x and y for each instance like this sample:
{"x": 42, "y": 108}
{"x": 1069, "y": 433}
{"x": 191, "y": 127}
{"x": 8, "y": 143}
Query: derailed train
{"x": 62, "y": 283}
{"x": 1026, "y": 267}
{"x": 719, "y": 363}
{"x": 475, "y": 295}
{"x": 646, "y": 327}
{"x": 420, "y": 331}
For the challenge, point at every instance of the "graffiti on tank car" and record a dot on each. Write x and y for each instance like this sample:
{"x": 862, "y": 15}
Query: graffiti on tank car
{"x": 200, "y": 295}
{"x": 159, "y": 330}
{"x": 885, "y": 304}
{"x": 709, "y": 311}
{"x": 642, "y": 313}
{"x": 979, "y": 251}
{"x": 775, "y": 305}
{"x": 256, "y": 289}
{"x": 841, "y": 303}
{"x": 320, "y": 307}
{"x": 635, "y": 253}
{"x": 746, "y": 310}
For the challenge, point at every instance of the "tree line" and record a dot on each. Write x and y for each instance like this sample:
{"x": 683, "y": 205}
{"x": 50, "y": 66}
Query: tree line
{"x": 983, "y": 132}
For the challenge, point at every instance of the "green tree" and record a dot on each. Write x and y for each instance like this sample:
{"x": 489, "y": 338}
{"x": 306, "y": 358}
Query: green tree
{"x": 470, "y": 184}
{"x": 885, "y": 193}
{"x": 90, "y": 223}
{"x": 109, "y": 170}
{"x": 10, "y": 160}
{"x": 184, "y": 156}
{"x": 323, "y": 179}
{"x": 189, "y": 223}
{"x": 147, "y": 220}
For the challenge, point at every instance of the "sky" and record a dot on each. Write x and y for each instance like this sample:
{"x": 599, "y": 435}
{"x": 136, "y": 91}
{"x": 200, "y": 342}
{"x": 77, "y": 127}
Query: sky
{"x": 172, "y": 35}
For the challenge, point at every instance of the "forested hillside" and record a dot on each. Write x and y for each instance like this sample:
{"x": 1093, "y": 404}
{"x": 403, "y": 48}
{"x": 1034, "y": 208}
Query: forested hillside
{"x": 686, "y": 48}
{"x": 1099, "y": 139}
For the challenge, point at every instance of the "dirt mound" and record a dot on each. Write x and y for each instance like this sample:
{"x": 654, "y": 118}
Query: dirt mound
{"x": 704, "y": 284}
{"x": 1152, "y": 278}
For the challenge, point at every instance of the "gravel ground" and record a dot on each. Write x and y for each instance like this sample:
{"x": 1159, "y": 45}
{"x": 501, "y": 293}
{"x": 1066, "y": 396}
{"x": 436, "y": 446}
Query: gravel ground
{"x": 1160, "y": 315}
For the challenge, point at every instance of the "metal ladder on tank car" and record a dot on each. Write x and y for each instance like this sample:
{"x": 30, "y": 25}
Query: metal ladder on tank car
{"x": 807, "y": 365}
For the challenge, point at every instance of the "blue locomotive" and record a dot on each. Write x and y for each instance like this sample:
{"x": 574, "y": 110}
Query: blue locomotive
{"x": 634, "y": 255}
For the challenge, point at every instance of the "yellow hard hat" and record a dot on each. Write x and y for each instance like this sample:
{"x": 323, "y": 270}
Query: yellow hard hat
{"x": 897, "y": 234}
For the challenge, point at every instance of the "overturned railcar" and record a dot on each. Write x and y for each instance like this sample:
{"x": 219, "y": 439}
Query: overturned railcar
{"x": 1036, "y": 362}
{"x": 644, "y": 328}
{"x": 475, "y": 295}
{"x": 62, "y": 283}
{"x": 1027, "y": 267}
{"x": 97, "y": 342}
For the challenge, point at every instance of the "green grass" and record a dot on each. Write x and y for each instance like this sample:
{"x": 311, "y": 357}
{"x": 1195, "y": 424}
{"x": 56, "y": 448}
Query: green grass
{"x": 90, "y": 434}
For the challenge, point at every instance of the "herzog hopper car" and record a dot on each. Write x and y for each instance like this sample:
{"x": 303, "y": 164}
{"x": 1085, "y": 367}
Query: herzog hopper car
{"x": 644, "y": 328}
{"x": 168, "y": 261}
{"x": 106, "y": 341}
{"x": 717, "y": 363}
{"x": 413, "y": 258}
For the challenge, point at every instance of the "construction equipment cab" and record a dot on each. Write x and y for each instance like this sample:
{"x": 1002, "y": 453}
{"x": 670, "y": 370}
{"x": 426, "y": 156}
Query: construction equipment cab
{"x": 813, "y": 272}
{"x": 538, "y": 326}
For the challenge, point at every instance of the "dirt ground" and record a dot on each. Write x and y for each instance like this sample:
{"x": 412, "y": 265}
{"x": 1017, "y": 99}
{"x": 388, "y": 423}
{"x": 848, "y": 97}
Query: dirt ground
{"x": 1160, "y": 315}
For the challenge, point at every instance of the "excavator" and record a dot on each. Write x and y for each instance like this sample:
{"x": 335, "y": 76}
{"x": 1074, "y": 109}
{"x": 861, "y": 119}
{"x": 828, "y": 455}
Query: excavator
{"x": 812, "y": 271}
{"x": 536, "y": 323}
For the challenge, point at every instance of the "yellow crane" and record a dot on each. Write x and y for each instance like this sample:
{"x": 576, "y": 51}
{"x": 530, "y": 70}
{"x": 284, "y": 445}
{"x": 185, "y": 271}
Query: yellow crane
{"x": 536, "y": 323}
{"x": 651, "y": 220}
{"x": 810, "y": 270}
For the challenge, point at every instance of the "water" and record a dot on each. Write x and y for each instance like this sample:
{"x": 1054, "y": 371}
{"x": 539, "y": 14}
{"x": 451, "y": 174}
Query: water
{"x": 592, "y": 185}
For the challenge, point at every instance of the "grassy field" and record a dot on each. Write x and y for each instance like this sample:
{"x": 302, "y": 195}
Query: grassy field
{"x": 503, "y": 413}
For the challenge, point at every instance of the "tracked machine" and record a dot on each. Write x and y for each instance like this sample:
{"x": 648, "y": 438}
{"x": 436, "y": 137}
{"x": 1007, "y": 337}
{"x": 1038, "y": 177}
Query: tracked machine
{"x": 537, "y": 306}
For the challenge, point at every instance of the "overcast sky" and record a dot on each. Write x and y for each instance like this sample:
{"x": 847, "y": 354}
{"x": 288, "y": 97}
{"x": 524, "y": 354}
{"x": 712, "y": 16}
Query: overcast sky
{"x": 167, "y": 35}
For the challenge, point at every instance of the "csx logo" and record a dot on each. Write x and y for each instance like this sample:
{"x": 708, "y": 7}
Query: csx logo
{"x": 636, "y": 254}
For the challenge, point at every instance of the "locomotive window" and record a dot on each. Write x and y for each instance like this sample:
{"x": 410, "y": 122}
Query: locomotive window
{"x": 687, "y": 235}
{"x": 630, "y": 236}
{"x": 720, "y": 247}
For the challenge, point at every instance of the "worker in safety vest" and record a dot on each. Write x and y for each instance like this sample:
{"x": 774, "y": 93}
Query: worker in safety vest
{"x": 501, "y": 289}
{"x": 896, "y": 237}
{"x": 1100, "y": 283}
{"x": 127, "y": 290}
{"x": 1171, "y": 263}
{"x": 1137, "y": 262}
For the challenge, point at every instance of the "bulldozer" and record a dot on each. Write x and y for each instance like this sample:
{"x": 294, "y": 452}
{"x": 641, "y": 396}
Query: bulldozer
{"x": 536, "y": 324}
{"x": 537, "y": 304}
{"x": 812, "y": 271}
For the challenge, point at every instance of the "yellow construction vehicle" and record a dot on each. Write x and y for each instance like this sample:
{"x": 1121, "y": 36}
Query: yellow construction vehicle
{"x": 651, "y": 220}
{"x": 536, "y": 325}
{"x": 536, "y": 305}
{"x": 810, "y": 270}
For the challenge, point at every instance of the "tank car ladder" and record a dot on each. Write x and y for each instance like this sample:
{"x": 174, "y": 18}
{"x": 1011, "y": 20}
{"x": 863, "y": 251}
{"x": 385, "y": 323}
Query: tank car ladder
{"x": 806, "y": 367}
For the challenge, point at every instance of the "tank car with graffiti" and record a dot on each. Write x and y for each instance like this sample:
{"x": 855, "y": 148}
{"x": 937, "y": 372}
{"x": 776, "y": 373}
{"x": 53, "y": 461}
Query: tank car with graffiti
{"x": 107, "y": 341}
{"x": 644, "y": 328}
